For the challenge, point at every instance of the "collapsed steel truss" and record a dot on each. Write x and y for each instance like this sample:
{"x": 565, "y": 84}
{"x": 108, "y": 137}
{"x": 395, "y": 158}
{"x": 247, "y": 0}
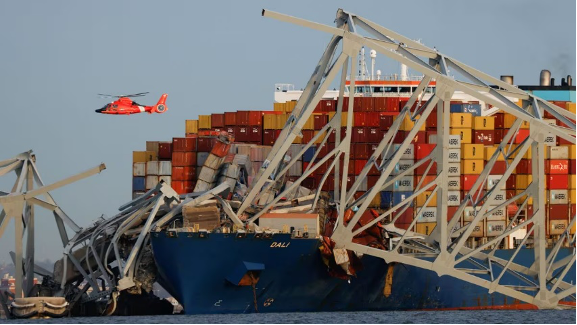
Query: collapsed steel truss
{"x": 444, "y": 251}
{"x": 19, "y": 205}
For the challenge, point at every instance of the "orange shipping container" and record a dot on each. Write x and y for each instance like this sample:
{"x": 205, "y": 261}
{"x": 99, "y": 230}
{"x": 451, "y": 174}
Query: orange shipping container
{"x": 472, "y": 151}
{"x": 465, "y": 134}
{"x": 462, "y": 120}
{"x": 484, "y": 123}
{"x": 472, "y": 166}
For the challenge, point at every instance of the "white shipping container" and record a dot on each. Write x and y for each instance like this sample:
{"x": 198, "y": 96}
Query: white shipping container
{"x": 244, "y": 149}
{"x": 454, "y": 141}
{"x": 495, "y": 228}
{"x": 454, "y": 169}
{"x": 497, "y": 215}
{"x": 560, "y": 152}
{"x": 558, "y": 197}
{"x": 165, "y": 168}
{"x": 500, "y": 197}
{"x": 139, "y": 169}
{"x": 166, "y": 179}
{"x": 202, "y": 186}
{"x": 492, "y": 180}
{"x": 469, "y": 213}
{"x": 213, "y": 161}
{"x": 296, "y": 169}
{"x": 363, "y": 184}
{"x": 557, "y": 227}
{"x": 454, "y": 156}
{"x": 152, "y": 167}
{"x": 409, "y": 153}
{"x": 232, "y": 171}
{"x": 403, "y": 165}
{"x": 429, "y": 214}
{"x": 550, "y": 139}
{"x": 294, "y": 150}
{"x": 405, "y": 183}
{"x": 201, "y": 158}
{"x": 453, "y": 198}
{"x": 255, "y": 167}
{"x": 454, "y": 183}
{"x": 207, "y": 174}
{"x": 151, "y": 182}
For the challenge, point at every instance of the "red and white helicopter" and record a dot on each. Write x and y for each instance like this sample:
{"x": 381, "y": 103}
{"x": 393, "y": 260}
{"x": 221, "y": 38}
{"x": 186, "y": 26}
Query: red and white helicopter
{"x": 125, "y": 105}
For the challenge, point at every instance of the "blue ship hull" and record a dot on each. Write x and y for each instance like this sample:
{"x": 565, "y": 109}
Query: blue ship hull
{"x": 201, "y": 274}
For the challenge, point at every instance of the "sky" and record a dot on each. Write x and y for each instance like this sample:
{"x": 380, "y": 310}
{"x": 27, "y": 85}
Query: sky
{"x": 210, "y": 57}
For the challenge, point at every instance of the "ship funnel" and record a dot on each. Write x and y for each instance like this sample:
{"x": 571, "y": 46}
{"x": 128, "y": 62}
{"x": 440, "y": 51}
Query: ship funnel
{"x": 569, "y": 80}
{"x": 507, "y": 79}
{"x": 545, "y": 78}
{"x": 552, "y": 81}
{"x": 373, "y": 55}
{"x": 563, "y": 83}
{"x": 404, "y": 72}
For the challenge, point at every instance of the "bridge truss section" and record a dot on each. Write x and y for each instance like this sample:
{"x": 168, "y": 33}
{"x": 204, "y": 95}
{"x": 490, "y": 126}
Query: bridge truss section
{"x": 445, "y": 250}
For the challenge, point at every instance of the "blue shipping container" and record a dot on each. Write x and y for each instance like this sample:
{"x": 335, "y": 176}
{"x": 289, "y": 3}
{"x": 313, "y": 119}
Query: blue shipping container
{"x": 386, "y": 199}
{"x": 138, "y": 183}
{"x": 456, "y": 108}
{"x": 400, "y": 196}
{"x": 308, "y": 155}
{"x": 474, "y": 109}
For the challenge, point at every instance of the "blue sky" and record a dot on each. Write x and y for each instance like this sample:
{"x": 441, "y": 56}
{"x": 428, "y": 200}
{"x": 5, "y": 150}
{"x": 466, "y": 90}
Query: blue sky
{"x": 209, "y": 56}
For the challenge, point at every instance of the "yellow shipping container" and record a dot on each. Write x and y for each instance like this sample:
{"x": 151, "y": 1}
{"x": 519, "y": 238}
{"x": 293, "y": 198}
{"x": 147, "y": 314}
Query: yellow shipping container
{"x": 278, "y": 107}
{"x": 523, "y": 181}
{"x": 426, "y": 228}
{"x": 344, "y": 117}
{"x": 143, "y": 156}
{"x": 290, "y": 106}
{"x": 573, "y": 196}
{"x": 269, "y": 121}
{"x": 510, "y": 119}
{"x": 376, "y": 202}
{"x": 310, "y": 123}
{"x": 472, "y": 166}
{"x": 489, "y": 151}
{"x": 421, "y": 198}
{"x": 320, "y": 139}
{"x": 298, "y": 140}
{"x": 572, "y": 152}
{"x": 191, "y": 126}
{"x": 466, "y": 136}
{"x": 472, "y": 151}
{"x": 570, "y": 106}
{"x": 204, "y": 122}
{"x": 484, "y": 123}
{"x": 573, "y": 181}
{"x": 408, "y": 125}
{"x": 521, "y": 199}
{"x": 572, "y": 231}
{"x": 462, "y": 120}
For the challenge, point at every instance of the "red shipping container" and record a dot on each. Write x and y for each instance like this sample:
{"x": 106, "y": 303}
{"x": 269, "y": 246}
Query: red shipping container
{"x": 529, "y": 212}
{"x": 511, "y": 182}
{"x": 399, "y": 137}
{"x": 421, "y": 169}
{"x": 385, "y": 121}
{"x": 324, "y": 150}
{"x": 183, "y": 144}
{"x": 181, "y": 158}
{"x": 558, "y": 211}
{"x": 572, "y": 166}
{"x": 351, "y": 169}
{"x": 366, "y": 104}
{"x": 359, "y": 119}
{"x": 219, "y": 129}
{"x": 183, "y": 187}
{"x": 432, "y": 120}
{"x": 358, "y": 104}
{"x": 485, "y": 137}
{"x": 328, "y": 185}
{"x": 563, "y": 142}
{"x": 374, "y": 134}
{"x": 499, "y": 168}
{"x": 220, "y": 149}
{"x": 451, "y": 213}
{"x": 255, "y": 134}
{"x": 205, "y": 144}
{"x": 557, "y": 182}
{"x": 573, "y": 209}
{"x": 361, "y": 151}
{"x": 321, "y": 169}
{"x": 217, "y": 120}
{"x": 556, "y": 166}
{"x": 307, "y": 135}
{"x": 332, "y": 136}
{"x": 249, "y": 118}
{"x": 499, "y": 120}
{"x": 165, "y": 150}
{"x": 405, "y": 218}
{"x": 498, "y": 135}
{"x": 420, "y": 137}
{"x": 524, "y": 166}
{"x": 372, "y": 119}
{"x": 183, "y": 173}
{"x": 345, "y": 104}
{"x": 231, "y": 131}
{"x": 269, "y": 137}
{"x": 510, "y": 193}
{"x": 392, "y": 104}
{"x": 329, "y": 105}
{"x": 359, "y": 135}
{"x": 522, "y": 134}
{"x": 320, "y": 121}
{"x": 241, "y": 133}
{"x": 467, "y": 181}
{"x": 428, "y": 180}
{"x": 379, "y": 104}
{"x": 230, "y": 118}
{"x": 371, "y": 181}
{"x": 423, "y": 150}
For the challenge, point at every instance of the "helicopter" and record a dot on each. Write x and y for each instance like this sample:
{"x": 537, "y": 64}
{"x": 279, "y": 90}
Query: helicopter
{"x": 124, "y": 105}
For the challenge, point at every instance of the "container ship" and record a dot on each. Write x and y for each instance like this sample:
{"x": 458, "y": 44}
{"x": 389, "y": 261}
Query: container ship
{"x": 210, "y": 266}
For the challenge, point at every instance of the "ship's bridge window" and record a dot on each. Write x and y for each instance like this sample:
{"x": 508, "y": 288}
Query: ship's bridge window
{"x": 404, "y": 89}
{"x": 390, "y": 89}
{"x": 378, "y": 89}
{"x": 362, "y": 89}
{"x": 431, "y": 89}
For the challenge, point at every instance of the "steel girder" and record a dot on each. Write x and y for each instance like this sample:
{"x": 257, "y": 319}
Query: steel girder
{"x": 19, "y": 205}
{"x": 445, "y": 250}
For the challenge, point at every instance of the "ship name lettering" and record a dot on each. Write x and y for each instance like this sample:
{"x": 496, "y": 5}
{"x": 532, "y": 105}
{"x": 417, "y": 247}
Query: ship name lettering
{"x": 275, "y": 244}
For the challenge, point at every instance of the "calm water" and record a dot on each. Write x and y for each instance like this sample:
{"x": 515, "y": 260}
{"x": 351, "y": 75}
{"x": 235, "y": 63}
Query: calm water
{"x": 400, "y": 317}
